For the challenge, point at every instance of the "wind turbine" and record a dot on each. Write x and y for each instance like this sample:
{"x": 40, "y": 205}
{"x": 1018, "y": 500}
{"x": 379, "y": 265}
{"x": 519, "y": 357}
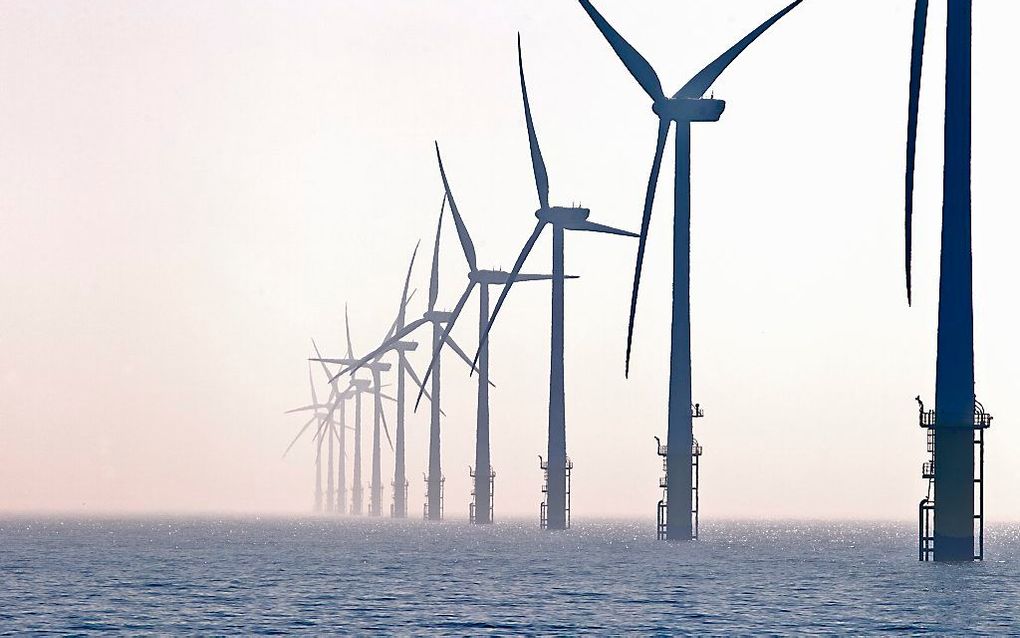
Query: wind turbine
{"x": 375, "y": 386}
{"x": 958, "y": 422}
{"x": 561, "y": 219}
{"x": 337, "y": 401}
{"x": 323, "y": 415}
{"x": 434, "y": 479}
{"x": 685, "y": 106}
{"x": 404, "y": 370}
{"x": 483, "y": 473}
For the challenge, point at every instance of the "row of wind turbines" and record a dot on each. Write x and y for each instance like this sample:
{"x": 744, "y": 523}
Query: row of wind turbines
{"x": 952, "y": 421}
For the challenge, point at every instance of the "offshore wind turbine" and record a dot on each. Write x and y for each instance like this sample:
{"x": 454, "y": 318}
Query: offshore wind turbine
{"x": 399, "y": 509}
{"x": 685, "y": 106}
{"x": 561, "y": 219}
{"x": 404, "y": 370}
{"x": 483, "y": 473}
{"x": 337, "y": 401}
{"x": 436, "y": 318}
{"x": 375, "y": 386}
{"x": 323, "y": 416}
{"x": 958, "y": 422}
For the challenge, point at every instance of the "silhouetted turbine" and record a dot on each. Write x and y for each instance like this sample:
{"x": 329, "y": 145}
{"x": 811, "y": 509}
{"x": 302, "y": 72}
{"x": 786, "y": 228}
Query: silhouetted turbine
{"x": 378, "y": 419}
{"x": 954, "y": 373}
{"x": 685, "y": 106}
{"x": 561, "y": 219}
{"x": 326, "y": 427}
{"x": 436, "y": 319}
{"x": 483, "y": 279}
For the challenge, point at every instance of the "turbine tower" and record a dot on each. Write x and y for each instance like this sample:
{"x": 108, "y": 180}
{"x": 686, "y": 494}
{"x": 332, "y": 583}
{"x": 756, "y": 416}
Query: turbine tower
{"x": 686, "y": 106}
{"x": 956, "y": 426}
{"x": 434, "y": 478}
{"x": 561, "y": 219}
{"x": 483, "y": 474}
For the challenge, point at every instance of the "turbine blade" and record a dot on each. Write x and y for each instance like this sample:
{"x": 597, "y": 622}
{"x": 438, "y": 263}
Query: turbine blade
{"x": 462, "y": 232}
{"x": 318, "y": 437}
{"x": 329, "y": 375}
{"x": 527, "y": 277}
{"x": 404, "y": 299}
{"x": 387, "y": 397}
{"x": 463, "y": 355}
{"x": 646, "y": 218}
{"x": 697, "y": 85}
{"x": 414, "y": 377}
{"x": 300, "y": 432}
{"x": 601, "y": 228}
{"x": 528, "y": 245}
{"x": 916, "y": 61}
{"x": 434, "y": 280}
{"x": 347, "y": 326}
{"x": 311, "y": 384}
{"x": 438, "y": 346}
{"x": 537, "y": 163}
{"x": 399, "y": 320}
{"x": 304, "y": 408}
{"x": 385, "y": 426}
{"x": 635, "y": 63}
{"x": 387, "y": 345}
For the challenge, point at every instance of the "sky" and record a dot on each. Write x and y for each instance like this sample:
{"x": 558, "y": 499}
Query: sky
{"x": 191, "y": 191}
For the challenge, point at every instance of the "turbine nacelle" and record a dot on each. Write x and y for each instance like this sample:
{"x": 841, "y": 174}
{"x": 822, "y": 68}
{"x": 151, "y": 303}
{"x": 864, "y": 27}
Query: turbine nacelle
{"x": 405, "y": 346}
{"x": 489, "y": 277}
{"x": 437, "y": 316}
{"x": 562, "y": 215}
{"x": 502, "y": 277}
{"x": 361, "y": 384}
{"x": 683, "y": 109}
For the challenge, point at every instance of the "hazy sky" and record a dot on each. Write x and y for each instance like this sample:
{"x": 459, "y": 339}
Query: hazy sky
{"x": 189, "y": 191}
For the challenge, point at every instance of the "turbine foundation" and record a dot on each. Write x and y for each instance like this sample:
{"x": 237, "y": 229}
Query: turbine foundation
{"x": 543, "y": 514}
{"x": 931, "y": 544}
{"x": 473, "y": 514}
{"x": 662, "y": 510}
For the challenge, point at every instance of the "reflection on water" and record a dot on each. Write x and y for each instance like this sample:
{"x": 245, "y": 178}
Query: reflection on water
{"x": 317, "y": 575}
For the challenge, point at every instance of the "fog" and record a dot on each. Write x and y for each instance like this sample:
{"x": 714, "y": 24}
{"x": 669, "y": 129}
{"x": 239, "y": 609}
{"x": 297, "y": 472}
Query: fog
{"x": 190, "y": 192}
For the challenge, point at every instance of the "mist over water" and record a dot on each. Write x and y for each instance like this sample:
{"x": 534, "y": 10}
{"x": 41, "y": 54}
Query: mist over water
{"x": 317, "y": 575}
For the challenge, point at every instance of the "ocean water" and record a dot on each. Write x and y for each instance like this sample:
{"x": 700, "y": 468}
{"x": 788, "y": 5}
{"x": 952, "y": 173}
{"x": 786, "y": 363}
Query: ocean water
{"x": 326, "y": 576}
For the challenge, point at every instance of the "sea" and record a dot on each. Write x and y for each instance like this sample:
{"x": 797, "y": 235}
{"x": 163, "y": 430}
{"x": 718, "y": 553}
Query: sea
{"x": 339, "y": 576}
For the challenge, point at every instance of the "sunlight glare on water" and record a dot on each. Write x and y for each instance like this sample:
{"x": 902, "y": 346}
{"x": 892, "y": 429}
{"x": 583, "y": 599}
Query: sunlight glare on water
{"x": 320, "y": 575}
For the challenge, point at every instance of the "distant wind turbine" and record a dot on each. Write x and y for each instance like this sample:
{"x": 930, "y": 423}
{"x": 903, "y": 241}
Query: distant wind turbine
{"x": 433, "y": 509}
{"x": 483, "y": 279}
{"x": 325, "y": 428}
{"x": 404, "y": 368}
{"x": 561, "y": 219}
{"x": 685, "y": 106}
{"x": 378, "y": 418}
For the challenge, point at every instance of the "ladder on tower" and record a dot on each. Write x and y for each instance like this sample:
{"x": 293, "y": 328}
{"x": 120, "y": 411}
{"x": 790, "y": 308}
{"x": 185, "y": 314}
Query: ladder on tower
{"x": 492, "y": 490}
{"x": 543, "y": 512}
{"x": 442, "y": 490}
{"x": 926, "y": 508}
{"x": 393, "y": 505}
{"x": 662, "y": 510}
